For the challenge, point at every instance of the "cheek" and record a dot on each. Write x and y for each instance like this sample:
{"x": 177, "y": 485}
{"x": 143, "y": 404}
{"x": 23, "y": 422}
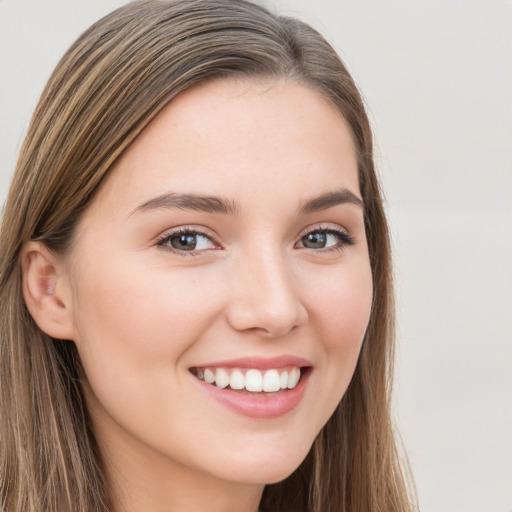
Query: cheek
{"x": 341, "y": 304}
{"x": 137, "y": 328}
{"x": 341, "y": 310}
{"x": 146, "y": 312}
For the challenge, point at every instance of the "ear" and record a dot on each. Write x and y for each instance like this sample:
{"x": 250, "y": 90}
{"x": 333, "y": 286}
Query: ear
{"x": 46, "y": 291}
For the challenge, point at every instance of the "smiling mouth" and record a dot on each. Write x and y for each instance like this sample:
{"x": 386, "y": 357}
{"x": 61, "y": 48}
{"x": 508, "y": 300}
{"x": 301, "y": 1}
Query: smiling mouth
{"x": 252, "y": 380}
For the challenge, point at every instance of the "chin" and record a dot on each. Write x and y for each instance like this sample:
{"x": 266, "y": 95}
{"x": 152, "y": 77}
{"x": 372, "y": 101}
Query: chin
{"x": 266, "y": 468}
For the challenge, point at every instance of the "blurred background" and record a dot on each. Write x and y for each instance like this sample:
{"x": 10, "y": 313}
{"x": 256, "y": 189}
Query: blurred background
{"x": 437, "y": 79}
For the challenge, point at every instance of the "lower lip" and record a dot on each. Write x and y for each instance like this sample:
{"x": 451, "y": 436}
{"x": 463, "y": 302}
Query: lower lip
{"x": 259, "y": 405}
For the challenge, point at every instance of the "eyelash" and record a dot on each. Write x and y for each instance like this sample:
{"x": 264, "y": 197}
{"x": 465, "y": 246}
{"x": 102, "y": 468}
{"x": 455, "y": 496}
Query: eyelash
{"x": 345, "y": 239}
{"x": 164, "y": 241}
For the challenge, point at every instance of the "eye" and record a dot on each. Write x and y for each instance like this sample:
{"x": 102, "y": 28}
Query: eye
{"x": 326, "y": 239}
{"x": 187, "y": 240}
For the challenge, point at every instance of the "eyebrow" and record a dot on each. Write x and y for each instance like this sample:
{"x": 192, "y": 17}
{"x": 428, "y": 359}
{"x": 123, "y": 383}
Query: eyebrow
{"x": 330, "y": 199}
{"x": 207, "y": 204}
{"x": 213, "y": 204}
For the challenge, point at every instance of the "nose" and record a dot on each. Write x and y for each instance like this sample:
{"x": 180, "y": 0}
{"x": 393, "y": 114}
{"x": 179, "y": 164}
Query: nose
{"x": 264, "y": 297}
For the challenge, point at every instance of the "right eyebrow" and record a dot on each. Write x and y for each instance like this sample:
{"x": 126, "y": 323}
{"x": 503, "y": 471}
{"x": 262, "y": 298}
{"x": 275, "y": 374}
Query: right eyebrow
{"x": 207, "y": 204}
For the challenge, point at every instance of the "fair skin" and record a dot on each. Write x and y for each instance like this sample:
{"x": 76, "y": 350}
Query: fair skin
{"x": 160, "y": 287}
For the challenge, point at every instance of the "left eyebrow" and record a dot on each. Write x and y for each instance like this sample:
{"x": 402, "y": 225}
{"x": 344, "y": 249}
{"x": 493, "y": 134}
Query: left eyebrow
{"x": 330, "y": 199}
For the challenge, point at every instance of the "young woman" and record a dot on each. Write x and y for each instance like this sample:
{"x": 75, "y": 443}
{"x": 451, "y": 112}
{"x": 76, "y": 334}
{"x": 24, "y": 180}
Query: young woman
{"x": 196, "y": 303}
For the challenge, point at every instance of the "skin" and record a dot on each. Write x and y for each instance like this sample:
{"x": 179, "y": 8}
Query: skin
{"x": 142, "y": 314}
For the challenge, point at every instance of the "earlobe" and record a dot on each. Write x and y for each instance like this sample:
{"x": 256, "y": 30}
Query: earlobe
{"x": 46, "y": 291}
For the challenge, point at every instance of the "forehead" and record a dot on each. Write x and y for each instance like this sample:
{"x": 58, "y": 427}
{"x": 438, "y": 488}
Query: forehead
{"x": 246, "y": 140}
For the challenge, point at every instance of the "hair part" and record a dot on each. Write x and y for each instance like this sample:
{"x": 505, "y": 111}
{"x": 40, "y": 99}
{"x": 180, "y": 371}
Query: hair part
{"x": 111, "y": 83}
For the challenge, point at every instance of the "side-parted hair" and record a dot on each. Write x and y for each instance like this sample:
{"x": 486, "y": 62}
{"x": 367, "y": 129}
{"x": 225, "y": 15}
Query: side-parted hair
{"x": 107, "y": 88}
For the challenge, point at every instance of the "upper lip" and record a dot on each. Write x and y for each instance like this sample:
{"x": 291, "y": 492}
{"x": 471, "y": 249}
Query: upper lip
{"x": 261, "y": 363}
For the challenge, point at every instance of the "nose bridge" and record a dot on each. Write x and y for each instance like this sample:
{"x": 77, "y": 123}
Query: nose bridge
{"x": 266, "y": 297}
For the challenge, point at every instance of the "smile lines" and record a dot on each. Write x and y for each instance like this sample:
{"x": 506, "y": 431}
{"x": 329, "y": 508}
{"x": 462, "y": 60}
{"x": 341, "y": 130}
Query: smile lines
{"x": 253, "y": 380}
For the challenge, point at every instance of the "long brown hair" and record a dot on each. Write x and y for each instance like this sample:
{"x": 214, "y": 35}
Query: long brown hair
{"x": 109, "y": 85}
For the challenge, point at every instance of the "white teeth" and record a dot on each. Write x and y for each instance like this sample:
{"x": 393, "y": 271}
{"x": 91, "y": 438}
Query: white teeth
{"x": 209, "y": 376}
{"x": 271, "y": 381}
{"x": 221, "y": 378}
{"x": 284, "y": 380}
{"x": 237, "y": 380}
{"x": 253, "y": 380}
{"x": 293, "y": 378}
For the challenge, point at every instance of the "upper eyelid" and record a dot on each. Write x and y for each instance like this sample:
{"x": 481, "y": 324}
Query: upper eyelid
{"x": 324, "y": 227}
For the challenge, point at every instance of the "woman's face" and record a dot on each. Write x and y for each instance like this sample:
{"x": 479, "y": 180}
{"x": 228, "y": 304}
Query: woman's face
{"x": 227, "y": 243}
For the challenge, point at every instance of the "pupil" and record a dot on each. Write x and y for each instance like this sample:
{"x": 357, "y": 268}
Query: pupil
{"x": 187, "y": 242}
{"x": 316, "y": 240}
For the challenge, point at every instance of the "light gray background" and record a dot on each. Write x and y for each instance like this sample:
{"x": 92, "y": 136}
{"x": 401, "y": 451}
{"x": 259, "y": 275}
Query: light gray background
{"x": 437, "y": 76}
